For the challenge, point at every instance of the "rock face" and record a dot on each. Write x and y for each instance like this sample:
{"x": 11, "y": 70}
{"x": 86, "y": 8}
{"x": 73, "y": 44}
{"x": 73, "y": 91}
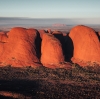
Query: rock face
{"x": 41, "y": 32}
{"x": 49, "y": 31}
{"x": 51, "y": 51}
{"x": 86, "y": 45}
{"x": 20, "y": 49}
{"x": 3, "y": 37}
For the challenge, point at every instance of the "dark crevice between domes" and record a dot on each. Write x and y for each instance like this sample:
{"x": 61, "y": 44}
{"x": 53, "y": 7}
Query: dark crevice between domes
{"x": 67, "y": 46}
{"x": 38, "y": 45}
{"x": 97, "y": 33}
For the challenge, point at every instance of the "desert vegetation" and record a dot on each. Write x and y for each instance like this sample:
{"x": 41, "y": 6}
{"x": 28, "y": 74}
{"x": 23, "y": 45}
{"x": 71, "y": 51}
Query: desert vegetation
{"x": 46, "y": 83}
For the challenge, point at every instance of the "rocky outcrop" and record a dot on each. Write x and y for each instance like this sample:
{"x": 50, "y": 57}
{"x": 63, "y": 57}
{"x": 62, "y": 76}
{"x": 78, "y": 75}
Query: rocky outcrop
{"x": 3, "y": 37}
{"x": 51, "y": 51}
{"x": 41, "y": 32}
{"x": 49, "y": 31}
{"x": 86, "y": 45}
{"x": 20, "y": 50}
{"x": 28, "y": 47}
{"x": 59, "y": 25}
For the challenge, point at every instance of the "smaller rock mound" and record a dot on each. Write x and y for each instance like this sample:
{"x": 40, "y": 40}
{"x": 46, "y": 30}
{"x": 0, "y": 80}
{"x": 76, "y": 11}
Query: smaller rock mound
{"x": 51, "y": 52}
{"x": 49, "y": 31}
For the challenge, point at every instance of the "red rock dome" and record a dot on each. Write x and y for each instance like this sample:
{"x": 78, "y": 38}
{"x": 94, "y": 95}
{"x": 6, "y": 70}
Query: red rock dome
{"x": 20, "y": 49}
{"x": 51, "y": 51}
{"x": 86, "y": 45}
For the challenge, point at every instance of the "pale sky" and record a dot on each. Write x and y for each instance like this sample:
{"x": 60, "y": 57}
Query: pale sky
{"x": 50, "y": 8}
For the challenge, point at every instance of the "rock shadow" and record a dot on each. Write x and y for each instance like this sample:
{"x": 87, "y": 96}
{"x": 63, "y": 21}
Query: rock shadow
{"x": 61, "y": 39}
{"x": 38, "y": 45}
{"x": 22, "y": 87}
{"x": 98, "y": 35}
{"x": 69, "y": 48}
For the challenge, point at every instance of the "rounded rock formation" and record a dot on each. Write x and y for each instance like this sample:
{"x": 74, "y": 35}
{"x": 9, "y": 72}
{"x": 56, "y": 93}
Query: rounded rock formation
{"x": 86, "y": 45}
{"x": 51, "y": 51}
{"x": 20, "y": 49}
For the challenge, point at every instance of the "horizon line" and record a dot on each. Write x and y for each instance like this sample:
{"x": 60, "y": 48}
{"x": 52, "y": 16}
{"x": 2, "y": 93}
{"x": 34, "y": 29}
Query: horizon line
{"x": 53, "y": 18}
